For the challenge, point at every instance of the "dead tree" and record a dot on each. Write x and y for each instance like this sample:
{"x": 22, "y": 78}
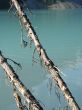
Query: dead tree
{"x": 31, "y": 101}
{"x": 53, "y": 70}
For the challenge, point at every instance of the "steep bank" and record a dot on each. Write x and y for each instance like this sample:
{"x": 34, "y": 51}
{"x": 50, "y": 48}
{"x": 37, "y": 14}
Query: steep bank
{"x": 32, "y": 4}
{"x": 36, "y": 4}
{"x": 39, "y": 4}
{"x": 64, "y": 5}
{"x": 76, "y": 1}
{"x": 4, "y": 4}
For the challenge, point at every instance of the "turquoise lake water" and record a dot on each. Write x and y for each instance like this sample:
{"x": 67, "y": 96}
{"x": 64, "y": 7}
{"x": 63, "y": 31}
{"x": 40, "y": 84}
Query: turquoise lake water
{"x": 60, "y": 33}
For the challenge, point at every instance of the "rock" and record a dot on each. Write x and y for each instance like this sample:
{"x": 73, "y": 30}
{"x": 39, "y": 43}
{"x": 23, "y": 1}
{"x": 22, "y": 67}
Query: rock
{"x": 64, "y": 5}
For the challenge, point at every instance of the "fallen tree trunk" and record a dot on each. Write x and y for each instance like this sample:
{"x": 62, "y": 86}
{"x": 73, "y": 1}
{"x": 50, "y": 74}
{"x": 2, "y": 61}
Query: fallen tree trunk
{"x": 33, "y": 104}
{"x": 54, "y": 71}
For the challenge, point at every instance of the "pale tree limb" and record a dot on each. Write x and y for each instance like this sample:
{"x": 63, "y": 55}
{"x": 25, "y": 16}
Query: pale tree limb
{"x": 53, "y": 70}
{"x": 14, "y": 79}
{"x": 18, "y": 100}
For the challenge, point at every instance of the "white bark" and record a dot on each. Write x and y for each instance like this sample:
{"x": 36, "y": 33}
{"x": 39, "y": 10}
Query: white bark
{"x": 18, "y": 101}
{"x": 14, "y": 79}
{"x": 54, "y": 71}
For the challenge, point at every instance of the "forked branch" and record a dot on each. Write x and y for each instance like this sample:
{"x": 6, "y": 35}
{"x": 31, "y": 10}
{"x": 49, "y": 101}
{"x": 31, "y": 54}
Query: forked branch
{"x": 14, "y": 79}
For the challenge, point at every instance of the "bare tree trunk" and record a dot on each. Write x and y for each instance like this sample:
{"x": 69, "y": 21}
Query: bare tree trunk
{"x": 54, "y": 71}
{"x": 14, "y": 79}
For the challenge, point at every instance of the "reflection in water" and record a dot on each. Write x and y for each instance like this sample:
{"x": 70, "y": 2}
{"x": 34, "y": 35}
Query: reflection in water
{"x": 50, "y": 96}
{"x": 75, "y": 63}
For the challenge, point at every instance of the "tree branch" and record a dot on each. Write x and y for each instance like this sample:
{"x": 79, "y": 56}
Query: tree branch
{"x": 14, "y": 79}
{"x": 54, "y": 71}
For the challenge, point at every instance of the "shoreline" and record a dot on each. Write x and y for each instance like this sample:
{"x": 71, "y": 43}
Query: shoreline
{"x": 64, "y": 5}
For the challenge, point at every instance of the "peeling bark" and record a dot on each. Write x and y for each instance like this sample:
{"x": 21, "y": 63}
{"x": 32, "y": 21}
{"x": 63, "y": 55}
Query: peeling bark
{"x": 14, "y": 79}
{"x": 53, "y": 70}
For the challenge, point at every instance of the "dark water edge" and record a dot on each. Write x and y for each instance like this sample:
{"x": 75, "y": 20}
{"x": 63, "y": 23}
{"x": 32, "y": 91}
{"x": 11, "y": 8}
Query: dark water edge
{"x": 32, "y": 4}
{"x": 4, "y": 4}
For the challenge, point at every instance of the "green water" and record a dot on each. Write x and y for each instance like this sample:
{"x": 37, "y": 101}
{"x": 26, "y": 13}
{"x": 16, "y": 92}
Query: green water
{"x": 60, "y": 33}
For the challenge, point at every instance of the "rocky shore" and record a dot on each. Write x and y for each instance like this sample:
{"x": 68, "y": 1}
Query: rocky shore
{"x": 64, "y": 5}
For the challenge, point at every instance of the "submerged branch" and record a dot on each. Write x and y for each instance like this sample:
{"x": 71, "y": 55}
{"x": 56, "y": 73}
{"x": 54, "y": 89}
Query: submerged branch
{"x": 54, "y": 71}
{"x": 14, "y": 79}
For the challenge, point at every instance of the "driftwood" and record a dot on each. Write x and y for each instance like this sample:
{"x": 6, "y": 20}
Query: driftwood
{"x": 53, "y": 70}
{"x": 32, "y": 103}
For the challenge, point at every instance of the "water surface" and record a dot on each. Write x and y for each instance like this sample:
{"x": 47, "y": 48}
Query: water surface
{"x": 61, "y": 36}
